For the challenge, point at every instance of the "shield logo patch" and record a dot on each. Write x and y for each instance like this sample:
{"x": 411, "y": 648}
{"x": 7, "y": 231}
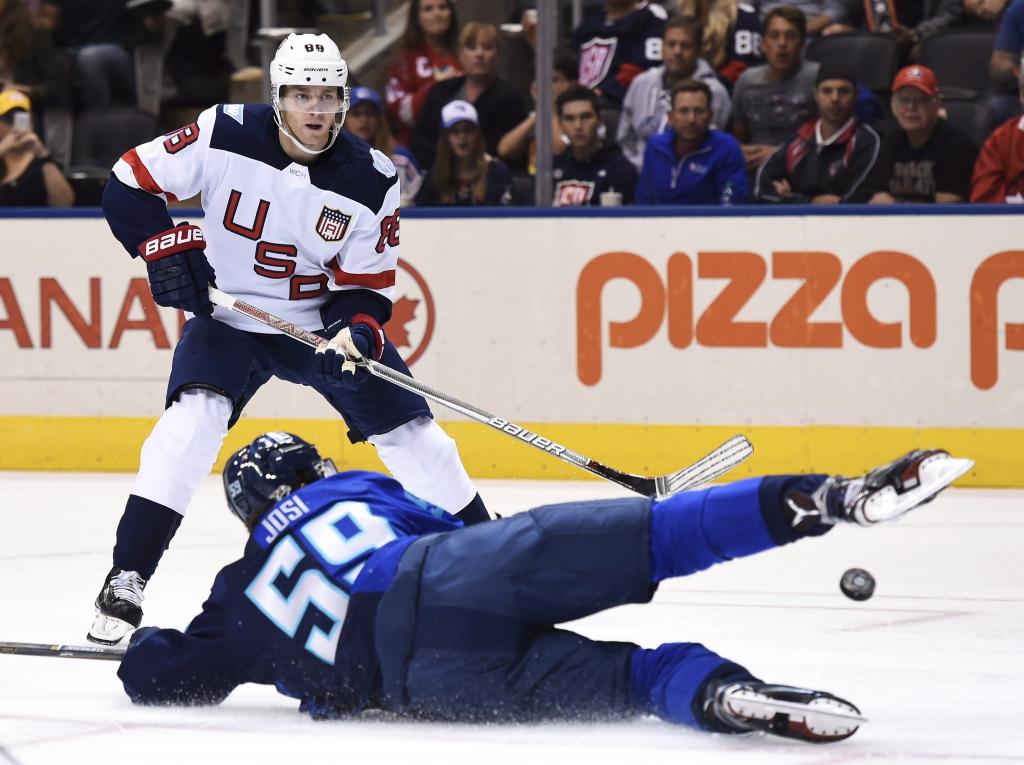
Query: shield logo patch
{"x": 595, "y": 59}
{"x": 332, "y": 224}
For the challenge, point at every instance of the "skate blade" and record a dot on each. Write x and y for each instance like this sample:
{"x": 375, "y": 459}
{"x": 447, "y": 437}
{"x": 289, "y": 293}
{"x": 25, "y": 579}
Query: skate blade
{"x": 820, "y": 720}
{"x": 108, "y": 630}
{"x": 937, "y": 472}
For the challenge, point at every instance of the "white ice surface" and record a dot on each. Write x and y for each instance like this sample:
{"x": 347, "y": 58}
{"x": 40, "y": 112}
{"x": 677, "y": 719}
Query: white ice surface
{"x": 935, "y": 659}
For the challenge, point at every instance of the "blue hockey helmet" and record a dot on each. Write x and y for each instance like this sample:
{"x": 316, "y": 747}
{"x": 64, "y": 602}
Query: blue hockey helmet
{"x": 268, "y": 470}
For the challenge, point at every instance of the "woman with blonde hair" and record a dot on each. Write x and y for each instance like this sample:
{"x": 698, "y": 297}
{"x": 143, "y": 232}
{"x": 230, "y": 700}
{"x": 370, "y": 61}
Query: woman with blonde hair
{"x": 366, "y": 119}
{"x": 464, "y": 174}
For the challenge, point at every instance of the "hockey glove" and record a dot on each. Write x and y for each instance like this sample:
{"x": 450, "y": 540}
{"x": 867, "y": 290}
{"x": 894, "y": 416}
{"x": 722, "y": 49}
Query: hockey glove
{"x": 179, "y": 274}
{"x": 334, "y": 364}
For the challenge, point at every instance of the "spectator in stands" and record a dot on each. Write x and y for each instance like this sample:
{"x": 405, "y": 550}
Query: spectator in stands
{"x": 31, "y": 177}
{"x": 999, "y": 171}
{"x": 195, "y": 52}
{"x": 817, "y": 12}
{"x": 691, "y": 163}
{"x": 521, "y": 141}
{"x": 617, "y": 45}
{"x": 100, "y": 35}
{"x": 366, "y": 119}
{"x": 831, "y": 159}
{"x": 428, "y": 54}
{"x": 928, "y": 159}
{"x": 591, "y": 166}
{"x": 732, "y": 34}
{"x": 1004, "y": 67}
{"x": 28, "y": 61}
{"x": 770, "y": 101}
{"x": 499, "y": 106}
{"x": 911, "y": 21}
{"x": 465, "y": 174}
{"x": 646, "y": 105}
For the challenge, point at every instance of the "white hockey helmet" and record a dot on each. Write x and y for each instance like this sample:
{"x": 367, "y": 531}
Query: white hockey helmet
{"x": 311, "y": 60}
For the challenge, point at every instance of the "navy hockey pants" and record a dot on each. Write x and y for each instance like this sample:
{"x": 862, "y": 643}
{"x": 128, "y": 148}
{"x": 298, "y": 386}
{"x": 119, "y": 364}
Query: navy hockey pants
{"x": 466, "y": 631}
{"x": 216, "y": 356}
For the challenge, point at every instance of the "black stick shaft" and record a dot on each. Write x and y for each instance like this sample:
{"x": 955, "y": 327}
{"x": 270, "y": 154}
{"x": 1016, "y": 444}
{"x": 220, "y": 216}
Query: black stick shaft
{"x": 103, "y": 653}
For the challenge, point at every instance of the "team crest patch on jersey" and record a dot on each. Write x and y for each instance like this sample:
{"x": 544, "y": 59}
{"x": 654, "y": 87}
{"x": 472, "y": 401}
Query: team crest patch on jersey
{"x": 383, "y": 163}
{"x": 595, "y": 59}
{"x": 573, "y": 193}
{"x": 332, "y": 224}
{"x": 235, "y": 112}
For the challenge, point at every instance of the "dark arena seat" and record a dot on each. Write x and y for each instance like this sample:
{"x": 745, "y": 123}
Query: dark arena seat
{"x": 872, "y": 58}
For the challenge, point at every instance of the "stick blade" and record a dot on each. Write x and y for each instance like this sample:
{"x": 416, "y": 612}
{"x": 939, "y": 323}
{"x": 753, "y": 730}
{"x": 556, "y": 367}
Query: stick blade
{"x": 717, "y": 463}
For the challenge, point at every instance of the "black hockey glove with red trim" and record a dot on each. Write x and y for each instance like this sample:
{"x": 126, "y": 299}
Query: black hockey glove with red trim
{"x": 179, "y": 273}
{"x": 363, "y": 338}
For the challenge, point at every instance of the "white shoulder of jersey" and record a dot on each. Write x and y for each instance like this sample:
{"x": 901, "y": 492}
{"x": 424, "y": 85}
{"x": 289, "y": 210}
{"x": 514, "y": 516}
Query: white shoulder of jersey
{"x": 170, "y": 166}
{"x": 657, "y": 11}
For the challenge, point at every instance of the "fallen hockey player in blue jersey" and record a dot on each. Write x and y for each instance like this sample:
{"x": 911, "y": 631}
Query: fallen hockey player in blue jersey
{"x": 352, "y": 594}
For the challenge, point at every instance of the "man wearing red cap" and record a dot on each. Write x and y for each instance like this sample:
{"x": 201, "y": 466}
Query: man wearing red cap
{"x": 930, "y": 160}
{"x": 999, "y": 172}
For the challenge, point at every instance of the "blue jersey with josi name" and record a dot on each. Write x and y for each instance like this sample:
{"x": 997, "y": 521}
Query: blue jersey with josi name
{"x": 298, "y": 610}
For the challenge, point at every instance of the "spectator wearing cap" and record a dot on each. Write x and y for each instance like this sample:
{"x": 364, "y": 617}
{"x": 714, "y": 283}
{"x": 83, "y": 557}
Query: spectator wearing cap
{"x": 691, "y": 163}
{"x": 770, "y": 101}
{"x": 999, "y": 171}
{"x": 464, "y": 174}
{"x": 500, "y": 107}
{"x": 366, "y": 119}
{"x": 928, "y": 160}
{"x": 646, "y": 104}
{"x": 31, "y": 176}
{"x": 830, "y": 159}
{"x": 590, "y": 166}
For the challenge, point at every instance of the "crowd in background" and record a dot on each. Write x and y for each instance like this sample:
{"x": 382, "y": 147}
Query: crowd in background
{"x": 709, "y": 102}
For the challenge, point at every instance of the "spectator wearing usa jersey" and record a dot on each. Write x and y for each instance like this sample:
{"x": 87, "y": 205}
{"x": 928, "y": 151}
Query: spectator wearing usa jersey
{"x": 617, "y": 45}
{"x": 465, "y": 174}
{"x": 829, "y": 160}
{"x": 646, "y": 104}
{"x": 590, "y": 166}
{"x": 366, "y": 120}
{"x": 691, "y": 163}
{"x": 499, "y": 106}
{"x": 999, "y": 171}
{"x": 428, "y": 54}
{"x": 732, "y": 34}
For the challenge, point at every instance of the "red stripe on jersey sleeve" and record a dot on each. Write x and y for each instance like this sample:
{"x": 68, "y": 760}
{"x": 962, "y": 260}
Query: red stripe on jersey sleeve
{"x": 379, "y": 281}
{"x": 142, "y": 175}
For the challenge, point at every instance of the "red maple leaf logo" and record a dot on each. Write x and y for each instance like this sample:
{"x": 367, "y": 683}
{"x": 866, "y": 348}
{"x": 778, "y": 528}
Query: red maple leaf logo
{"x": 402, "y": 313}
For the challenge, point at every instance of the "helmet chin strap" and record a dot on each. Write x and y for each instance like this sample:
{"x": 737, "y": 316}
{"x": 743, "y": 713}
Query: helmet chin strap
{"x": 283, "y": 127}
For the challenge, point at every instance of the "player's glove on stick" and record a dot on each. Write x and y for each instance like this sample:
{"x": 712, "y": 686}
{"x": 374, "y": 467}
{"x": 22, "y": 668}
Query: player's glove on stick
{"x": 334, "y": 363}
{"x": 179, "y": 273}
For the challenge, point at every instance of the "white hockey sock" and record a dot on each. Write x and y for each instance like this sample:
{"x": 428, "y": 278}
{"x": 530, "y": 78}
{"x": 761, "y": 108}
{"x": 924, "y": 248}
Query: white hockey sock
{"x": 425, "y": 460}
{"x": 182, "y": 448}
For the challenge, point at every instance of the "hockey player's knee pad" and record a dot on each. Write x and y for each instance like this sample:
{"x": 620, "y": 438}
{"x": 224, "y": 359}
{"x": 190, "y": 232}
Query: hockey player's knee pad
{"x": 182, "y": 448}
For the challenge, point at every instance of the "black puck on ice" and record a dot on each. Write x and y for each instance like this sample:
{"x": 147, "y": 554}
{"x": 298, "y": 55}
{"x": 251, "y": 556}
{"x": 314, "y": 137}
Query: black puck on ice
{"x": 857, "y": 584}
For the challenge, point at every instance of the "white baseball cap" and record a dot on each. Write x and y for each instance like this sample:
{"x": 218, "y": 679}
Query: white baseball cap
{"x": 458, "y": 111}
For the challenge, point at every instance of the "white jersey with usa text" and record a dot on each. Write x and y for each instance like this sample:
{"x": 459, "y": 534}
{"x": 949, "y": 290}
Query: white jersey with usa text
{"x": 280, "y": 235}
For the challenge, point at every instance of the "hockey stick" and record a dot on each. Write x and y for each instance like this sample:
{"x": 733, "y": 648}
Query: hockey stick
{"x": 720, "y": 461}
{"x": 63, "y": 651}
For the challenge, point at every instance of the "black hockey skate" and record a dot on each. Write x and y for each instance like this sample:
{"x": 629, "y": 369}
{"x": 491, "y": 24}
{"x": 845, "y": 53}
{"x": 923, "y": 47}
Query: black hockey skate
{"x": 782, "y": 710}
{"x": 883, "y": 494}
{"x": 118, "y": 607}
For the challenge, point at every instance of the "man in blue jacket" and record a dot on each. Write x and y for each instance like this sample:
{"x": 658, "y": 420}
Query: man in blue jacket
{"x": 691, "y": 164}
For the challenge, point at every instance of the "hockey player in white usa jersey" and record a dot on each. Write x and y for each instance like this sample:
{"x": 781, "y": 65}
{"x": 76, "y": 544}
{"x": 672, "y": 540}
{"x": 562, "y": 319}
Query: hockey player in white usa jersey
{"x": 302, "y": 219}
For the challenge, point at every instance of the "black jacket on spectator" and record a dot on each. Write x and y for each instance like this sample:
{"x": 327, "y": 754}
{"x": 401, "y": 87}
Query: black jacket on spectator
{"x": 943, "y": 164}
{"x": 27, "y": 190}
{"x": 500, "y": 109}
{"x": 582, "y": 183}
{"x": 498, "y": 190}
{"x": 847, "y": 166}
